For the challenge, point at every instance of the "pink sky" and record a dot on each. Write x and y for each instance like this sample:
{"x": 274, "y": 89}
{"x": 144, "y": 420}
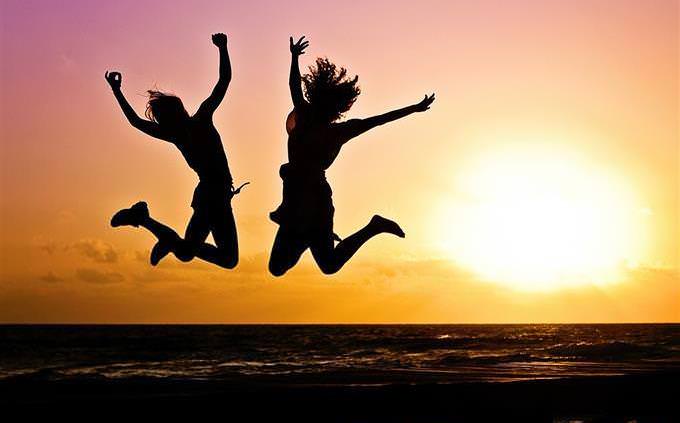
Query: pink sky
{"x": 599, "y": 78}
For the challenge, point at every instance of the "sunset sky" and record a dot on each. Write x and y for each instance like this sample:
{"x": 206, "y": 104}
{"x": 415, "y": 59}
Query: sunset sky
{"x": 542, "y": 186}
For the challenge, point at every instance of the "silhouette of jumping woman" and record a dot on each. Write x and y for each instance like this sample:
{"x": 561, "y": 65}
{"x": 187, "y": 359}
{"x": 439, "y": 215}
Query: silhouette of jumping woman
{"x": 200, "y": 144}
{"x": 315, "y": 137}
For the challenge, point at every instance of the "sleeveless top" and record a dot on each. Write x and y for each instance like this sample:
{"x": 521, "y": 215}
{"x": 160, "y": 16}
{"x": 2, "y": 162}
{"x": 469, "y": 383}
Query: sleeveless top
{"x": 307, "y": 197}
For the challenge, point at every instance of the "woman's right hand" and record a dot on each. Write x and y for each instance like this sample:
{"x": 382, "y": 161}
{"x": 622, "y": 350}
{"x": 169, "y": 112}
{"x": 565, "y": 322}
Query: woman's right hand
{"x": 298, "y": 48}
{"x": 114, "y": 79}
{"x": 219, "y": 39}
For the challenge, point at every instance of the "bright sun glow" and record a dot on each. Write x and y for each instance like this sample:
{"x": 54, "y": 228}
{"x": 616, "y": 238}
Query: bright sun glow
{"x": 540, "y": 220}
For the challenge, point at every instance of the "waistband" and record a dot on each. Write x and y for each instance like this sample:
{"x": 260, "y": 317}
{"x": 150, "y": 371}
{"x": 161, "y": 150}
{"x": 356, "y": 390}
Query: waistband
{"x": 297, "y": 172}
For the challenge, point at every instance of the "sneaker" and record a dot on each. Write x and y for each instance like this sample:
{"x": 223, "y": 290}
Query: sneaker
{"x": 132, "y": 216}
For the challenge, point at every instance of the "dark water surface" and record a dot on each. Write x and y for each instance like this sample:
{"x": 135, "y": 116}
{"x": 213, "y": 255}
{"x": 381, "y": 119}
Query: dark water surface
{"x": 410, "y": 353}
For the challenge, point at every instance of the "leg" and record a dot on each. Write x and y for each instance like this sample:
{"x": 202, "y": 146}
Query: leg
{"x": 287, "y": 249}
{"x": 223, "y": 228}
{"x": 161, "y": 231}
{"x": 212, "y": 213}
{"x": 169, "y": 241}
{"x": 138, "y": 215}
{"x": 194, "y": 236}
{"x": 331, "y": 259}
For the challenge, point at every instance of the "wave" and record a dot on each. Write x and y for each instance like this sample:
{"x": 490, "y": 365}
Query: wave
{"x": 612, "y": 350}
{"x": 227, "y": 351}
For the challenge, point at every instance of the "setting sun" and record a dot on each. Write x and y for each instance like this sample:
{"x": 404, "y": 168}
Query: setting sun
{"x": 541, "y": 186}
{"x": 539, "y": 219}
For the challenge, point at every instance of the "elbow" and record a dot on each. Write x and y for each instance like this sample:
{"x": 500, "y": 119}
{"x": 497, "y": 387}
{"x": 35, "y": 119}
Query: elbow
{"x": 136, "y": 122}
{"x": 223, "y": 83}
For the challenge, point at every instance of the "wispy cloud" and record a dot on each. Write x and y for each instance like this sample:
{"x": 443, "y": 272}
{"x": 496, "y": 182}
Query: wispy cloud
{"x": 96, "y": 276}
{"x": 97, "y": 250}
{"x": 50, "y": 277}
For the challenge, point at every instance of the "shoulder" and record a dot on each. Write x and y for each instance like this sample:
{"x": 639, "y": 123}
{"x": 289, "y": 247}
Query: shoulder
{"x": 346, "y": 128}
{"x": 291, "y": 121}
{"x": 201, "y": 116}
{"x": 350, "y": 123}
{"x": 296, "y": 118}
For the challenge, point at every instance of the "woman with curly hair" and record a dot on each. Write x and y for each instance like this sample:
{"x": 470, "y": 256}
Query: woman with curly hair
{"x": 199, "y": 142}
{"x": 315, "y": 137}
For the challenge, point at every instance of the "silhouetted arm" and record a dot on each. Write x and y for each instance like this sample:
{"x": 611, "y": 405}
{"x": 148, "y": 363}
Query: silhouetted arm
{"x": 150, "y": 128}
{"x": 211, "y": 103}
{"x": 356, "y": 127}
{"x": 294, "y": 80}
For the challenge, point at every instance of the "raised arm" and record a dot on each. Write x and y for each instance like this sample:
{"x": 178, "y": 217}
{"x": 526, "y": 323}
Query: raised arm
{"x": 211, "y": 103}
{"x": 294, "y": 80}
{"x": 355, "y": 127}
{"x": 115, "y": 80}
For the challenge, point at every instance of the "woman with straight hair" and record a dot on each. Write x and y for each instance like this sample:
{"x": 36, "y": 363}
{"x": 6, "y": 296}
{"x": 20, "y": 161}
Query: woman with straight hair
{"x": 315, "y": 137}
{"x": 199, "y": 142}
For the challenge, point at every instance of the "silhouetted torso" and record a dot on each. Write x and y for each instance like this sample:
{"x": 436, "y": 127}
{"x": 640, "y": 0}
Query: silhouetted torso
{"x": 307, "y": 197}
{"x": 312, "y": 146}
{"x": 201, "y": 145}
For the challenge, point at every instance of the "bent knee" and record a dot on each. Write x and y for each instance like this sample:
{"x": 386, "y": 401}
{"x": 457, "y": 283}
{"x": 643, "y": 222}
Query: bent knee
{"x": 185, "y": 251}
{"x": 229, "y": 262}
{"x": 277, "y": 269}
{"x": 328, "y": 268}
{"x": 184, "y": 256}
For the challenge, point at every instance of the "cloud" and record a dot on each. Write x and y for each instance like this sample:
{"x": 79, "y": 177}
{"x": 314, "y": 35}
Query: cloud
{"x": 154, "y": 274}
{"x": 142, "y": 256}
{"x": 170, "y": 262}
{"x": 95, "y": 276}
{"x": 254, "y": 263}
{"x": 46, "y": 245}
{"x": 50, "y": 277}
{"x": 49, "y": 247}
{"x": 97, "y": 250}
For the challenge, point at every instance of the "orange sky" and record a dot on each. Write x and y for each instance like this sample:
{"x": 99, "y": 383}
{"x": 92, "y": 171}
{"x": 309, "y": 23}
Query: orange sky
{"x": 592, "y": 85}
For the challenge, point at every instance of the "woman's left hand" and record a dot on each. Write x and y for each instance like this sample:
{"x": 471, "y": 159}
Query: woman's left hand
{"x": 425, "y": 103}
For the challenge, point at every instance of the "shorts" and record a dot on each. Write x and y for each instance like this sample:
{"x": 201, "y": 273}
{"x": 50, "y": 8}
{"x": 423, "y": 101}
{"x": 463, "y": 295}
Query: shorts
{"x": 211, "y": 197}
{"x": 307, "y": 206}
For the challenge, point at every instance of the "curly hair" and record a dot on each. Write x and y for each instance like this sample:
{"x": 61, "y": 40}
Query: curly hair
{"x": 163, "y": 106}
{"x": 328, "y": 89}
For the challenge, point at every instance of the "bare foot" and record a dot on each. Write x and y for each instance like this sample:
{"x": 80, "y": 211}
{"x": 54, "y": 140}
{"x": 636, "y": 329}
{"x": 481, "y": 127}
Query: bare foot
{"x": 386, "y": 225}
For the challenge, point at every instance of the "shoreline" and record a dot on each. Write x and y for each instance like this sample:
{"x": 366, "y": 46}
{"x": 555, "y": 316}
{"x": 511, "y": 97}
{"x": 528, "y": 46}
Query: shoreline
{"x": 642, "y": 398}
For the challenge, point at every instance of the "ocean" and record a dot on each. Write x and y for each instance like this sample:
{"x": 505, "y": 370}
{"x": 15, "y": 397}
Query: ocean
{"x": 338, "y": 354}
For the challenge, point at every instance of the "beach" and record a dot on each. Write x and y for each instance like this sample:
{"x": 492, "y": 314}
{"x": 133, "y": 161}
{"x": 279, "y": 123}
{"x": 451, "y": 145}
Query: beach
{"x": 344, "y": 373}
{"x": 640, "y": 398}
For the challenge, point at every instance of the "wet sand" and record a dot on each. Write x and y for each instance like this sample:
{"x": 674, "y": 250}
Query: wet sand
{"x": 638, "y": 398}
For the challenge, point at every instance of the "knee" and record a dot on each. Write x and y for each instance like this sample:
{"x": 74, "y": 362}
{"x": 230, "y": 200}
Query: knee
{"x": 184, "y": 256}
{"x": 185, "y": 252}
{"x": 328, "y": 268}
{"x": 277, "y": 269}
{"x": 229, "y": 262}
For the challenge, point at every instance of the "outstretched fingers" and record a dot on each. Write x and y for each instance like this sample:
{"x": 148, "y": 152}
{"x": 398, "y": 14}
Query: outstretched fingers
{"x": 426, "y": 102}
{"x": 298, "y": 47}
{"x": 429, "y": 99}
